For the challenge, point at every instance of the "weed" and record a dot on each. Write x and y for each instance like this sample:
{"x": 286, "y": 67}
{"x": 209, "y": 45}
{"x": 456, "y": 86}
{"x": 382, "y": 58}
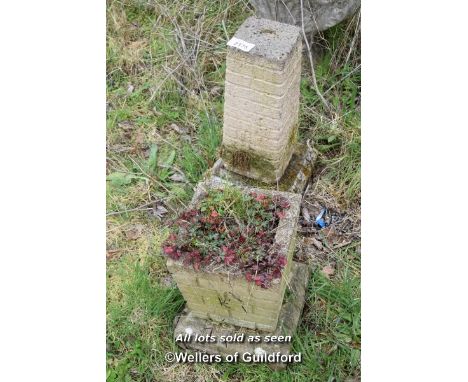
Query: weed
{"x": 209, "y": 138}
{"x": 192, "y": 163}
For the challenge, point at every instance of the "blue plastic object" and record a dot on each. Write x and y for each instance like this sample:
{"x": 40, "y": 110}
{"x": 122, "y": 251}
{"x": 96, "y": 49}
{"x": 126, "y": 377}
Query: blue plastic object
{"x": 319, "y": 219}
{"x": 321, "y": 223}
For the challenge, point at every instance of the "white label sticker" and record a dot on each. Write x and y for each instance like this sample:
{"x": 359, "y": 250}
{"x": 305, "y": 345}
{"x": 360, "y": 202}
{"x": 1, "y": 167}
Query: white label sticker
{"x": 240, "y": 44}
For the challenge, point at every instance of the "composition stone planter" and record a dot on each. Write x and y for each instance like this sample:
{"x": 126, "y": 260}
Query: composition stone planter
{"x": 225, "y": 297}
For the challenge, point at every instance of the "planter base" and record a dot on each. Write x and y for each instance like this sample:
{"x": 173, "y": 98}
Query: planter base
{"x": 289, "y": 318}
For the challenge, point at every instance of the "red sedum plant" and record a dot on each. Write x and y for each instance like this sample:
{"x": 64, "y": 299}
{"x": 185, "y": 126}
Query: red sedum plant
{"x": 232, "y": 230}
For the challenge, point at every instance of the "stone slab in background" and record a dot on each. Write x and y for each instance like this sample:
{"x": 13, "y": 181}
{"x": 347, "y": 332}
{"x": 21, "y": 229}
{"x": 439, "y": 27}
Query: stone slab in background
{"x": 319, "y": 15}
{"x": 261, "y": 108}
{"x": 288, "y": 322}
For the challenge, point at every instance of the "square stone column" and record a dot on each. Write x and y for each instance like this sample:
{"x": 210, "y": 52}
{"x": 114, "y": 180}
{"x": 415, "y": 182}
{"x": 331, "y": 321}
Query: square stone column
{"x": 261, "y": 108}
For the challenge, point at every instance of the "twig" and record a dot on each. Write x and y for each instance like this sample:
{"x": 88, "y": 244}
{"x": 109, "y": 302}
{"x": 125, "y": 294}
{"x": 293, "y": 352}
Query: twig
{"x": 139, "y": 208}
{"x": 158, "y": 183}
{"x": 342, "y": 79}
{"x": 290, "y": 14}
{"x": 354, "y": 38}
{"x": 130, "y": 210}
{"x": 343, "y": 244}
{"x": 225, "y": 30}
{"x": 314, "y": 78}
{"x": 155, "y": 91}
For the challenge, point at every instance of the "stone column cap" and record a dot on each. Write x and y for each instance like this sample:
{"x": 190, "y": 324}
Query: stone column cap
{"x": 274, "y": 41}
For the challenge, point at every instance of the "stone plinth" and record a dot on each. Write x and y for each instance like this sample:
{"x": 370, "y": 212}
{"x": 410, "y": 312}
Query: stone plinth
{"x": 295, "y": 177}
{"x": 230, "y": 299}
{"x": 261, "y": 106}
{"x": 288, "y": 321}
{"x": 222, "y": 296}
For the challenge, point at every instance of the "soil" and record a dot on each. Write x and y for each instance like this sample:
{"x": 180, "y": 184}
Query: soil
{"x": 317, "y": 246}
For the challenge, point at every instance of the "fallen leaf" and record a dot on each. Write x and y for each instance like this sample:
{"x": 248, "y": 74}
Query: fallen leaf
{"x": 328, "y": 271}
{"x": 330, "y": 235}
{"x": 134, "y": 232}
{"x": 159, "y": 211}
{"x": 178, "y": 129}
{"x": 306, "y": 215}
{"x": 216, "y": 91}
{"x": 317, "y": 244}
{"x": 343, "y": 244}
{"x": 111, "y": 253}
{"x": 139, "y": 138}
{"x": 177, "y": 177}
{"x": 126, "y": 125}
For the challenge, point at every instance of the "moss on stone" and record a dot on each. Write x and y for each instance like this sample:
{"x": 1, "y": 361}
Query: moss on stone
{"x": 293, "y": 137}
{"x": 296, "y": 165}
{"x": 250, "y": 164}
{"x": 241, "y": 160}
{"x": 247, "y": 162}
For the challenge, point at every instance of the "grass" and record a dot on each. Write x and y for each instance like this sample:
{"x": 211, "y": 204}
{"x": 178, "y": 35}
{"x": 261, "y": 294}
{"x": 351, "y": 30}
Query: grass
{"x": 165, "y": 79}
{"x": 140, "y": 323}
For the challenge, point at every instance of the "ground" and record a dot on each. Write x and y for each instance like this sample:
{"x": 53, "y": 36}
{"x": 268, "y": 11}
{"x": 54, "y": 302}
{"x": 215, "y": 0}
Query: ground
{"x": 165, "y": 72}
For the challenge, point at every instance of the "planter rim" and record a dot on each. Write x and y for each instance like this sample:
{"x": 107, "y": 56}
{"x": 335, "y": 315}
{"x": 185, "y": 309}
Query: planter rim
{"x": 284, "y": 230}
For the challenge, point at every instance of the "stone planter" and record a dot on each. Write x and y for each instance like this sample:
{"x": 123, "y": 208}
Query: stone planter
{"x": 230, "y": 298}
